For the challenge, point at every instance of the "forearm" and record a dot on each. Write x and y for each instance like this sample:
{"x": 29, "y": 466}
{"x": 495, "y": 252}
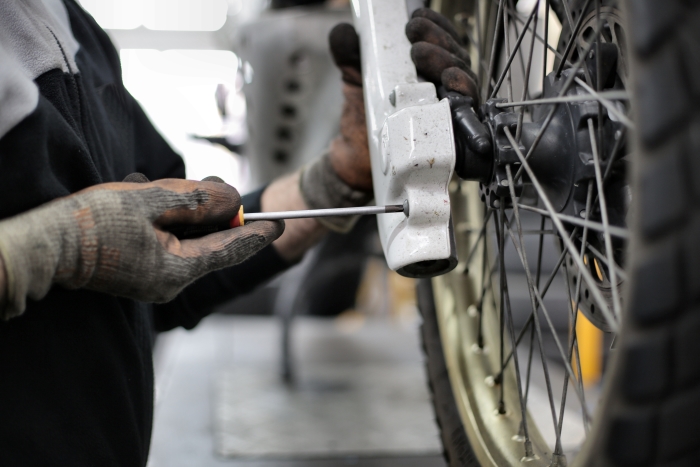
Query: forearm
{"x": 299, "y": 235}
{"x": 340, "y": 178}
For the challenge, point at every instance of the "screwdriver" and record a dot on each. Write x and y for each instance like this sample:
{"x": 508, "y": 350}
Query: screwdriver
{"x": 194, "y": 231}
{"x": 241, "y": 218}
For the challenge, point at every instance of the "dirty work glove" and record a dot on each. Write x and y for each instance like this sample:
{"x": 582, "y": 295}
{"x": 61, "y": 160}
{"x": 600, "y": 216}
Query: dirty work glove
{"x": 440, "y": 58}
{"x": 112, "y": 238}
{"x": 343, "y": 176}
{"x": 438, "y": 54}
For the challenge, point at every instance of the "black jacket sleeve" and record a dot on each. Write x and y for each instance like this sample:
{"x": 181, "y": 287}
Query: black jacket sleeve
{"x": 87, "y": 129}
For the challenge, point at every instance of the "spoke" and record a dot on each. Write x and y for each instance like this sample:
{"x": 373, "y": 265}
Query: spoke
{"x": 575, "y": 342}
{"x": 573, "y": 38}
{"x": 482, "y": 231}
{"x": 539, "y": 253}
{"x": 517, "y": 18}
{"x": 615, "y": 231}
{"x": 540, "y": 248}
{"x": 477, "y": 43}
{"x": 607, "y": 104}
{"x": 574, "y": 318}
{"x": 613, "y": 154}
{"x": 506, "y": 70}
{"x": 544, "y": 49}
{"x": 514, "y": 26}
{"x": 602, "y": 96}
{"x": 604, "y": 217}
{"x": 485, "y": 282}
{"x": 567, "y": 13}
{"x": 539, "y": 232}
{"x": 543, "y": 293}
{"x": 520, "y": 51}
{"x": 502, "y": 321}
{"x": 531, "y": 288}
{"x": 480, "y": 60}
{"x": 570, "y": 20}
{"x": 562, "y": 232}
{"x": 621, "y": 272}
{"x": 598, "y": 84}
{"x": 529, "y": 362}
{"x": 526, "y": 85}
{"x": 620, "y": 137}
{"x": 511, "y": 329}
{"x": 564, "y": 90}
{"x": 567, "y": 365}
{"x": 480, "y": 45}
{"x": 492, "y": 58}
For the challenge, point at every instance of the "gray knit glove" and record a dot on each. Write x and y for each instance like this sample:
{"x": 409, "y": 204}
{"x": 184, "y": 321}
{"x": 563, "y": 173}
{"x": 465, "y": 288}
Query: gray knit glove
{"x": 112, "y": 238}
{"x": 322, "y": 188}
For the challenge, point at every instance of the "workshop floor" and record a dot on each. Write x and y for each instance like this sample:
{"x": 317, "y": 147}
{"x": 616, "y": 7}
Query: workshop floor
{"x": 359, "y": 399}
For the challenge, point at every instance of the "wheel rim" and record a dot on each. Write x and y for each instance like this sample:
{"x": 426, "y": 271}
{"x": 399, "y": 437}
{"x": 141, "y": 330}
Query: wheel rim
{"x": 473, "y": 306}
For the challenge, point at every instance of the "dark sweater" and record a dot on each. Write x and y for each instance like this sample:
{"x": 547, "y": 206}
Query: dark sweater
{"x": 76, "y": 374}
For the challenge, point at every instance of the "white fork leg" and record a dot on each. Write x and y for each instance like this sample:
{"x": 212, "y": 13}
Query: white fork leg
{"x": 411, "y": 144}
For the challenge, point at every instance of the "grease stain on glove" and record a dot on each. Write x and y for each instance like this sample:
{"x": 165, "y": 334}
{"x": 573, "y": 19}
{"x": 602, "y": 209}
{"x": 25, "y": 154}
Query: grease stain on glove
{"x": 113, "y": 238}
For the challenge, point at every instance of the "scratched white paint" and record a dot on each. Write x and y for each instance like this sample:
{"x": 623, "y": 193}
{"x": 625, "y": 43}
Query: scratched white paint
{"x": 411, "y": 142}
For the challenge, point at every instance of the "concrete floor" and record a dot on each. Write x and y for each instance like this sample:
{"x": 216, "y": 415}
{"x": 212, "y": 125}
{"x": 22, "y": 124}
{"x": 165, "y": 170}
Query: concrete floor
{"x": 188, "y": 427}
{"x": 198, "y": 424}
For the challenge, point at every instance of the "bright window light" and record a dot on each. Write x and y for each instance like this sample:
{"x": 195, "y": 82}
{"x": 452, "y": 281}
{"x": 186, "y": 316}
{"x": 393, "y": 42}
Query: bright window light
{"x": 162, "y": 15}
{"x": 177, "y": 90}
{"x": 115, "y": 14}
{"x": 185, "y": 15}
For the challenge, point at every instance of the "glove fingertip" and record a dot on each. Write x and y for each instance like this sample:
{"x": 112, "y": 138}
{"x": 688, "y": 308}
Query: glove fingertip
{"x": 431, "y": 61}
{"x": 413, "y": 30}
{"x": 438, "y": 19}
{"x": 213, "y": 178}
{"x": 457, "y": 80}
{"x": 136, "y": 177}
{"x": 274, "y": 229}
{"x": 344, "y": 44}
{"x": 269, "y": 230}
{"x": 424, "y": 61}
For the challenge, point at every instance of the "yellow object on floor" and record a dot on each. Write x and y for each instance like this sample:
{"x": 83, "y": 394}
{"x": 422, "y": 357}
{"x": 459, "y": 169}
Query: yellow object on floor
{"x": 590, "y": 347}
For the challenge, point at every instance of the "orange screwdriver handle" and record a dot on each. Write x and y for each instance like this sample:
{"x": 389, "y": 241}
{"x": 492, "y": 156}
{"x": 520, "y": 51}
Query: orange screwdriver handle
{"x": 238, "y": 220}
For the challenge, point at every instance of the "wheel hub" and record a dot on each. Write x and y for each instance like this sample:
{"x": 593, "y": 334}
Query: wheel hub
{"x": 562, "y": 160}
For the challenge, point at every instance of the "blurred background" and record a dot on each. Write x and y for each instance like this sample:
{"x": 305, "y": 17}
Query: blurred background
{"x": 321, "y": 367}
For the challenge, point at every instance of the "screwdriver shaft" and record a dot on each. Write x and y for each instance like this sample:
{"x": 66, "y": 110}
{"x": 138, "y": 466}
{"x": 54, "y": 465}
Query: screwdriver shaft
{"x": 361, "y": 211}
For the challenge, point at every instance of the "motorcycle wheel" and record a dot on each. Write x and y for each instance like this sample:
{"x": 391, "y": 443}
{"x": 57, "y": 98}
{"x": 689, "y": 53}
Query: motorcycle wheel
{"x": 645, "y": 411}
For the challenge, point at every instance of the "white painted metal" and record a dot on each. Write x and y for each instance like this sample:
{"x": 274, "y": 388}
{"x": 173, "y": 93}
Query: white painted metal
{"x": 410, "y": 140}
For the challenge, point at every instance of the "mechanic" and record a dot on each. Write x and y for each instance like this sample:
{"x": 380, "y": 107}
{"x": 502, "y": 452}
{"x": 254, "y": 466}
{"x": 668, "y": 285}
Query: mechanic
{"x": 89, "y": 271}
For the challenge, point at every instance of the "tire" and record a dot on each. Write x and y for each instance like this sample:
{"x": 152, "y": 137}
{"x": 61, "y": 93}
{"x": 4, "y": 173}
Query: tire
{"x": 649, "y": 413}
{"x": 457, "y": 450}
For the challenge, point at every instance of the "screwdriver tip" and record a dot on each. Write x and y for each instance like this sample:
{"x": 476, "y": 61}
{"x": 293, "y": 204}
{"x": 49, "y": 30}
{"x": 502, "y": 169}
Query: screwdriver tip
{"x": 405, "y": 207}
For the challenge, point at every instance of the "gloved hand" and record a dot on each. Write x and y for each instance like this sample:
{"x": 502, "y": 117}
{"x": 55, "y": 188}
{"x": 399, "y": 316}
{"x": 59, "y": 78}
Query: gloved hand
{"x": 112, "y": 238}
{"x": 438, "y": 54}
{"x": 349, "y": 152}
{"x": 343, "y": 176}
{"x": 440, "y": 59}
